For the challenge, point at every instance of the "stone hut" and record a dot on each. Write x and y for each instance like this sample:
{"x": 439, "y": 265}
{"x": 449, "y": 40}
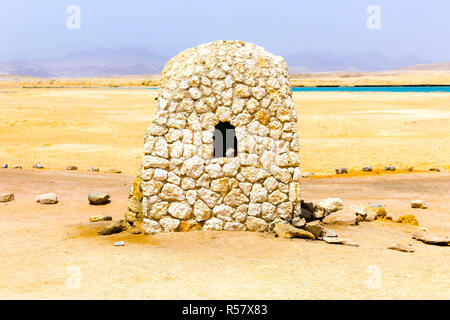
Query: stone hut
{"x": 222, "y": 152}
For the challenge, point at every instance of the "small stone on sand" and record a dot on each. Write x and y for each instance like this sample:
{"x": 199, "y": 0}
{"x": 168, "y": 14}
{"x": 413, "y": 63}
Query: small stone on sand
{"x": 6, "y": 197}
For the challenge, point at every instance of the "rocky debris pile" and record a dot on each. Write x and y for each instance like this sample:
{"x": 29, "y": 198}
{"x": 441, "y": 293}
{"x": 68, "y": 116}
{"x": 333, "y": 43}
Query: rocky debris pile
{"x": 437, "y": 169}
{"x": 38, "y": 166}
{"x": 99, "y": 218}
{"x": 342, "y": 170}
{"x": 72, "y": 168}
{"x": 429, "y": 238}
{"x": 401, "y": 247}
{"x": 6, "y": 197}
{"x": 98, "y": 198}
{"x": 389, "y": 168}
{"x": 47, "y": 198}
{"x": 419, "y": 204}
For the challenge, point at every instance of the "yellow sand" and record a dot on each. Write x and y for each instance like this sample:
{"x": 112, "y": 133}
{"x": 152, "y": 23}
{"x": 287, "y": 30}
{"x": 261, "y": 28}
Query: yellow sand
{"x": 105, "y": 128}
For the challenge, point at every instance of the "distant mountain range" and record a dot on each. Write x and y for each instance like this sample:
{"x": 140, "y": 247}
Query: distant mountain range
{"x": 121, "y": 62}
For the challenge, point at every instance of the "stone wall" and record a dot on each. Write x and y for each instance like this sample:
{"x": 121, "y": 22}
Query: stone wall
{"x": 183, "y": 187}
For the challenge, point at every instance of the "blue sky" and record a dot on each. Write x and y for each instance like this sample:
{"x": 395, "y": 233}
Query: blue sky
{"x": 37, "y": 29}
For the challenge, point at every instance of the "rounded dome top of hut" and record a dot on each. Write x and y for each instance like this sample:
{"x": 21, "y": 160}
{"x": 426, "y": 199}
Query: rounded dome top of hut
{"x": 222, "y": 152}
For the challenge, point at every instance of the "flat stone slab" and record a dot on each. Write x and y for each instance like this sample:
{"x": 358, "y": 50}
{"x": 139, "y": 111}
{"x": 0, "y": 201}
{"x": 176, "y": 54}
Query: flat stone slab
{"x": 287, "y": 231}
{"x": 343, "y": 241}
{"x": 99, "y": 218}
{"x": 430, "y": 238}
{"x": 401, "y": 247}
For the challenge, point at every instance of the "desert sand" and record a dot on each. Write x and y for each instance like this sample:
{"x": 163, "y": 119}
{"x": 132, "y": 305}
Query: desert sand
{"x": 105, "y": 128}
{"x": 53, "y": 252}
{"x": 46, "y": 250}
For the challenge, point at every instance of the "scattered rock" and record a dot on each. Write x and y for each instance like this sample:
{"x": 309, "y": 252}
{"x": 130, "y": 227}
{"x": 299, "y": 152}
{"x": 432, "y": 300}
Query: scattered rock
{"x": 5, "y": 166}
{"x": 342, "y": 170}
{"x": 372, "y": 213}
{"x": 287, "y": 231}
{"x": 329, "y": 234}
{"x": 119, "y": 244}
{"x": 298, "y": 222}
{"x": 48, "y": 198}
{"x": 315, "y": 227}
{"x": 113, "y": 171}
{"x": 309, "y": 174}
{"x": 407, "y": 219}
{"x": 430, "y": 238}
{"x": 115, "y": 227}
{"x": 99, "y": 218}
{"x": 6, "y": 197}
{"x": 94, "y": 169}
{"x": 327, "y": 206}
{"x": 410, "y": 169}
{"x": 337, "y": 240}
{"x": 38, "y": 166}
{"x": 308, "y": 206}
{"x": 437, "y": 169}
{"x": 307, "y": 215}
{"x": 343, "y": 217}
{"x": 367, "y": 169}
{"x": 389, "y": 168}
{"x": 17, "y": 167}
{"x": 98, "y": 198}
{"x": 72, "y": 168}
{"x": 418, "y": 204}
{"x": 381, "y": 213}
{"x": 401, "y": 247}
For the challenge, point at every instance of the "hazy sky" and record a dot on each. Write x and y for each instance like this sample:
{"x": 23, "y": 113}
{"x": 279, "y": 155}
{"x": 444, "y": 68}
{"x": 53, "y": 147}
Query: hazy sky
{"x": 37, "y": 29}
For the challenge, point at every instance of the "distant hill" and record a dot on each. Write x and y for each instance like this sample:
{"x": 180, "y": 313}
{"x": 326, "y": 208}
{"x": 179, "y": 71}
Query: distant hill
{"x": 428, "y": 67}
{"x": 102, "y": 62}
{"x": 331, "y": 62}
{"x": 126, "y": 62}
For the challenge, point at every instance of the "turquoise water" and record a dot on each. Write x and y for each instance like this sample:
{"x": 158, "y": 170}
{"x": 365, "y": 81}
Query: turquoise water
{"x": 347, "y": 89}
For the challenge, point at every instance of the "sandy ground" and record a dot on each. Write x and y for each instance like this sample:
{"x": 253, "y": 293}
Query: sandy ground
{"x": 52, "y": 252}
{"x": 105, "y": 128}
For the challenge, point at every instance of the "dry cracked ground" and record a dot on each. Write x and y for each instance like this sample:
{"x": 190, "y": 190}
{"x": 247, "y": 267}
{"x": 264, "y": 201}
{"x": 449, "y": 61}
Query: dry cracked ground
{"x": 52, "y": 251}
